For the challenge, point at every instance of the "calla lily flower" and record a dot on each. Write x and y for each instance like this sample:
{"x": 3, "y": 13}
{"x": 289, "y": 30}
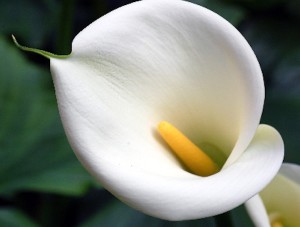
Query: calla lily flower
{"x": 167, "y": 61}
{"x": 278, "y": 205}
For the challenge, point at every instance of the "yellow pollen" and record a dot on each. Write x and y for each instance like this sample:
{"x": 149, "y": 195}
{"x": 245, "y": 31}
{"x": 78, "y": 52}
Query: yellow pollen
{"x": 277, "y": 224}
{"x": 275, "y": 220}
{"x": 191, "y": 156}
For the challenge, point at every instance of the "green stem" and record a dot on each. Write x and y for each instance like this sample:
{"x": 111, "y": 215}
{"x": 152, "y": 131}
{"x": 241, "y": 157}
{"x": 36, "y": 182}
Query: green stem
{"x": 37, "y": 51}
{"x": 224, "y": 220}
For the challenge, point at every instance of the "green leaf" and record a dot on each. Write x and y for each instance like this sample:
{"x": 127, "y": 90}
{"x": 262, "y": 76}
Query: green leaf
{"x": 29, "y": 19}
{"x": 118, "y": 214}
{"x": 14, "y": 218}
{"x": 34, "y": 152}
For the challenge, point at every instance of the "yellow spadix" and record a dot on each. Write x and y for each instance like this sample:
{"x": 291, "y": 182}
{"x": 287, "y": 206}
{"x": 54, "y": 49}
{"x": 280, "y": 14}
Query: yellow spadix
{"x": 195, "y": 160}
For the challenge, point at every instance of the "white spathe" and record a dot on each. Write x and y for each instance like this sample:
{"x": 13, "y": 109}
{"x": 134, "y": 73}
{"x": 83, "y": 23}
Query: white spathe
{"x": 280, "y": 199}
{"x": 152, "y": 61}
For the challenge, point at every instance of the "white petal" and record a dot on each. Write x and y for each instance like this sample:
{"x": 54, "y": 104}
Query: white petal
{"x": 257, "y": 211}
{"x": 282, "y": 195}
{"x": 166, "y": 60}
{"x": 291, "y": 171}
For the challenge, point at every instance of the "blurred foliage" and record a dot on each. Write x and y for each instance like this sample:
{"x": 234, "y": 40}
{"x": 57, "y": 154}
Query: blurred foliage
{"x": 231, "y": 12}
{"x": 118, "y": 214}
{"x": 14, "y": 218}
{"x": 36, "y": 154}
{"x": 29, "y": 19}
{"x": 41, "y": 181}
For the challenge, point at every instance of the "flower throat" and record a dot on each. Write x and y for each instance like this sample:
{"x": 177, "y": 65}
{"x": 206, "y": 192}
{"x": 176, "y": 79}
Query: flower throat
{"x": 193, "y": 158}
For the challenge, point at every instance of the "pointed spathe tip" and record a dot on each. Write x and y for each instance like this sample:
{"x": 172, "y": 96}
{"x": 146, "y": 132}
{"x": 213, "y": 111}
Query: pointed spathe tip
{"x": 37, "y": 51}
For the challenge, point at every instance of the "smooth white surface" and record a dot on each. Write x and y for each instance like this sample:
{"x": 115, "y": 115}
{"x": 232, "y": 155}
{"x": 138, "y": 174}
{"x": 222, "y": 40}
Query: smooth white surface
{"x": 257, "y": 212}
{"x": 280, "y": 198}
{"x": 166, "y": 60}
{"x": 282, "y": 195}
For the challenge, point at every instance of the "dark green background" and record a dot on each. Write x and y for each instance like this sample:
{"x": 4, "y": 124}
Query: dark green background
{"x": 41, "y": 181}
